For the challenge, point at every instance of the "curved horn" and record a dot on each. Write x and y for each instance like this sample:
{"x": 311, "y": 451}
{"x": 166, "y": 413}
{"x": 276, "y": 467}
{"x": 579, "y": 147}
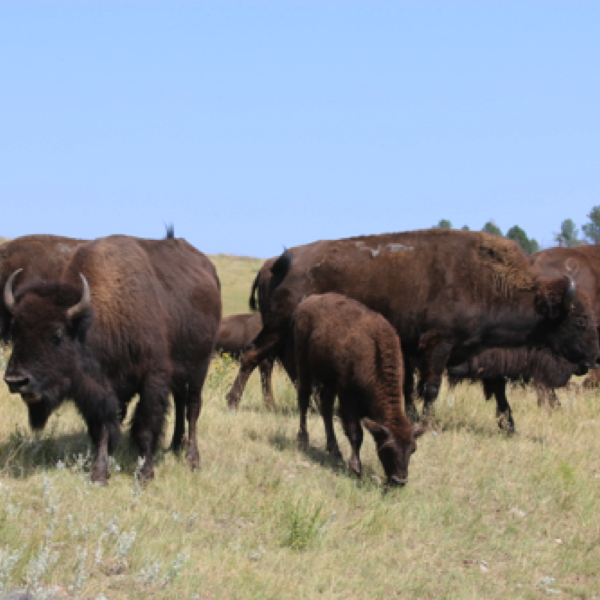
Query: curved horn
{"x": 569, "y": 294}
{"x": 572, "y": 266}
{"x": 9, "y": 298}
{"x": 84, "y": 304}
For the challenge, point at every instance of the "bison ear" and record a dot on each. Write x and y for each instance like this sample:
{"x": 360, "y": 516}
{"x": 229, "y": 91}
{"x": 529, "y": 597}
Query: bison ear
{"x": 374, "y": 428}
{"x": 553, "y": 295}
{"x": 419, "y": 431}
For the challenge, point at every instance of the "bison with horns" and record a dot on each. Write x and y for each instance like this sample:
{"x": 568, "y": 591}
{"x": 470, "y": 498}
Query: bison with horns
{"x": 450, "y": 295}
{"x": 541, "y": 367}
{"x": 115, "y": 325}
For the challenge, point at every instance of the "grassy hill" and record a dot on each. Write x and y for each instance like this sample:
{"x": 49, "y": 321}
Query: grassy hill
{"x": 236, "y": 274}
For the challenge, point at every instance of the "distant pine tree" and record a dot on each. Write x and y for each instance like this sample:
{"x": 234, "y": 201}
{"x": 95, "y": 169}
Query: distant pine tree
{"x": 569, "y": 235}
{"x": 491, "y": 227}
{"x": 443, "y": 224}
{"x": 517, "y": 234}
{"x": 591, "y": 230}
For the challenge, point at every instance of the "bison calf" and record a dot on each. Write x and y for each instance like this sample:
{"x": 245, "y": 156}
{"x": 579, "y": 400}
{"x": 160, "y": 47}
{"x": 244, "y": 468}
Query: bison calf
{"x": 345, "y": 349}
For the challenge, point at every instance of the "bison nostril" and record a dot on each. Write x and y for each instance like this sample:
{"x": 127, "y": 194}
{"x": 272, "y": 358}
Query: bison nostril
{"x": 15, "y": 383}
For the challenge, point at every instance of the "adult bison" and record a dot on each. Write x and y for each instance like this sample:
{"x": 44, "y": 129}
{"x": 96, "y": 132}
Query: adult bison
{"x": 115, "y": 325}
{"x": 542, "y": 368}
{"x": 449, "y": 294}
{"x": 346, "y": 350}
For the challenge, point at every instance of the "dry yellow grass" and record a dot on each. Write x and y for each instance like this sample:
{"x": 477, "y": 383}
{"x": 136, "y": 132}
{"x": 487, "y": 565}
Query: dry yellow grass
{"x": 483, "y": 516}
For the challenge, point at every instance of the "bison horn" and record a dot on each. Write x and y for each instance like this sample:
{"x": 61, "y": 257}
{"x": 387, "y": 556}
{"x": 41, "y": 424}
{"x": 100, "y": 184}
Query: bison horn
{"x": 569, "y": 294}
{"x": 9, "y": 298}
{"x": 84, "y": 304}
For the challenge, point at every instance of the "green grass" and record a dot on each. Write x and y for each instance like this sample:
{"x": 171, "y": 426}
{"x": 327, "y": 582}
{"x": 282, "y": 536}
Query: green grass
{"x": 236, "y": 274}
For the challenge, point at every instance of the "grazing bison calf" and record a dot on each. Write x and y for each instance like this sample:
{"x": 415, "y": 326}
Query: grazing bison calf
{"x": 345, "y": 349}
{"x": 128, "y": 317}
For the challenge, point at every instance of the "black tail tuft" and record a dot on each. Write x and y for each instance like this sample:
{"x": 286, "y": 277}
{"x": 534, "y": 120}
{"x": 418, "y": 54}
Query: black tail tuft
{"x": 170, "y": 231}
{"x": 253, "y": 303}
{"x": 282, "y": 265}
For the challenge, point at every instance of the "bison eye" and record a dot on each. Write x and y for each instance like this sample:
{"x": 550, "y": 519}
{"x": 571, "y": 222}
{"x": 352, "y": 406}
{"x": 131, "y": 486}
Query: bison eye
{"x": 57, "y": 337}
{"x": 582, "y": 322}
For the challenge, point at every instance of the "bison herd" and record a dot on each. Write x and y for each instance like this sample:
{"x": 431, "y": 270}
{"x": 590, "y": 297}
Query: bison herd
{"x": 373, "y": 320}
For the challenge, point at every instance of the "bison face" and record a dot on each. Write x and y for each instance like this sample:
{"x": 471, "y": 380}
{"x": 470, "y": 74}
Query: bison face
{"x": 569, "y": 326}
{"x": 394, "y": 448}
{"x": 48, "y": 338}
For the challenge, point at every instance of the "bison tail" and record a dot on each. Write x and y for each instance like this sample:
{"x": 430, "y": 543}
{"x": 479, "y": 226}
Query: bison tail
{"x": 281, "y": 266}
{"x": 170, "y": 231}
{"x": 253, "y": 303}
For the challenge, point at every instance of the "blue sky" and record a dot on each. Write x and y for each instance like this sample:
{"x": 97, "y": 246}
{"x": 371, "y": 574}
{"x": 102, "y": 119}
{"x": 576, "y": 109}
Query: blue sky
{"x": 257, "y": 125}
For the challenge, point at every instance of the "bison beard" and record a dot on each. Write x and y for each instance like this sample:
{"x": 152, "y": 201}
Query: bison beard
{"x": 132, "y": 335}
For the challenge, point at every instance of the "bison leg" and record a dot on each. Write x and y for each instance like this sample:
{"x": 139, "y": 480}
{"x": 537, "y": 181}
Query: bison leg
{"x": 410, "y": 408}
{"x": 100, "y": 472}
{"x": 194, "y": 406}
{"x": 149, "y": 419}
{"x": 354, "y": 433}
{"x": 304, "y": 391}
{"x": 497, "y": 387}
{"x": 326, "y": 404}
{"x": 546, "y": 397}
{"x": 265, "y": 345}
{"x": 179, "y": 399}
{"x": 101, "y": 415}
{"x": 193, "y": 412}
{"x": 437, "y": 352}
{"x": 266, "y": 370}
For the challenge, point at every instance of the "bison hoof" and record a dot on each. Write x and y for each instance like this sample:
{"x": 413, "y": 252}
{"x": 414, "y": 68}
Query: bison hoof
{"x": 100, "y": 479}
{"x": 303, "y": 442}
{"x": 506, "y": 424}
{"x": 193, "y": 459}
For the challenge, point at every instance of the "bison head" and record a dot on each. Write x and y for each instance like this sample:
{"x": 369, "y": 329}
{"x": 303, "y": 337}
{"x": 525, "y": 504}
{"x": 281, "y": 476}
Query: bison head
{"x": 50, "y": 322}
{"x": 395, "y": 446}
{"x": 569, "y": 326}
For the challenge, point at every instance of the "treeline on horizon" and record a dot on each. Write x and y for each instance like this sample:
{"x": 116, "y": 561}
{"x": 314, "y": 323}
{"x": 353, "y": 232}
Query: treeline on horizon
{"x": 568, "y": 236}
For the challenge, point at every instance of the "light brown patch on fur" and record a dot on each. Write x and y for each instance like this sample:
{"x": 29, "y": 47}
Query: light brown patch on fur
{"x": 506, "y": 262}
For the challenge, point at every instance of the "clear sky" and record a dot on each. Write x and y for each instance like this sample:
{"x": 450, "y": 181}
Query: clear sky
{"x": 257, "y": 125}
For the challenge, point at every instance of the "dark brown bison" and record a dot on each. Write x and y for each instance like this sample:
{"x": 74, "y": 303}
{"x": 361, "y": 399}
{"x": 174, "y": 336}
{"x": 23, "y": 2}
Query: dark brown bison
{"x": 344, "y": 349}
{"x": 118, "y": 324}
{"x": 40, "y": 257}
{"x": 495, "y": 366}
{"x": 545, "y": 370}
{"x": 450, "y": 295}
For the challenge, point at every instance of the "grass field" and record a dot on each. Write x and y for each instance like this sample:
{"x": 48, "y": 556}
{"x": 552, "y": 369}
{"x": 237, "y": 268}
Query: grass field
{"x": 483, "y": 516}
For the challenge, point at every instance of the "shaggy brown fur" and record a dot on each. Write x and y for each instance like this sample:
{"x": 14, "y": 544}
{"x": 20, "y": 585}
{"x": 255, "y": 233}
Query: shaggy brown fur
{"x": 434, "y": 283}
{"x": 150, "y": 330}
{"x": 40, "y": 257}
{"x": 342, "y": 348}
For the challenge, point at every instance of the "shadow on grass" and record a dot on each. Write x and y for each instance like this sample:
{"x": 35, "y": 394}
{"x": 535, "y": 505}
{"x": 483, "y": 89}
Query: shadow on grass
{"x": 319, "y": 456}
{"x": 25, "y": 454}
